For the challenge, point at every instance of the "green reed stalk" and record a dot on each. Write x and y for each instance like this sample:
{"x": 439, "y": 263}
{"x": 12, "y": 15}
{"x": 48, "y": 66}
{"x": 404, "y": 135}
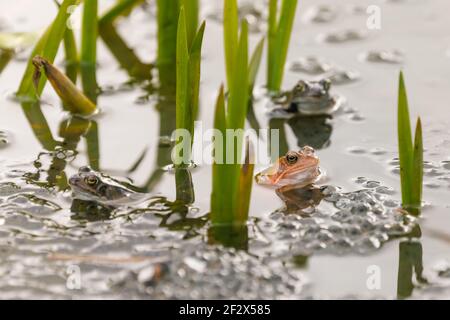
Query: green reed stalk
{"x": 168, "y": 13}
{"x": 70, "y": 48}
{"x": 230, "y": 36}
{"x": 88, "y": 54}
{"x": 187, "y": 77}
{"x": 231, "y": 184}
{"x": 191, "y": 8}
{"x": 410, "y": 155}
{"x": 279, "y": 35}
{"x": 122, "y": 7}
{"x": 47, "y": 47}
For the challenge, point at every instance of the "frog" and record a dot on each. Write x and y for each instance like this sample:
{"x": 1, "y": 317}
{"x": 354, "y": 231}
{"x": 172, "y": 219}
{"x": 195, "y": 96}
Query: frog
{"x": 294, "y": 175}
{"x": 308, "y": 98}
{"x": 90, "y": 185}
{"x": 296, "y": 169}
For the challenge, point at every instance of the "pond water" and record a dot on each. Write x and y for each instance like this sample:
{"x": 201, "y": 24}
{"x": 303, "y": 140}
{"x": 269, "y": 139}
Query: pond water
{"x": 166, "y": 249}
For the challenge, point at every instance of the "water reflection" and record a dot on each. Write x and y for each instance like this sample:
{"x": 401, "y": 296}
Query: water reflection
{"x": 314, "y": 131}
{"x": 58, "y": 152}
{"x": 410, "y": 266}
{"x": 298, "y": 200}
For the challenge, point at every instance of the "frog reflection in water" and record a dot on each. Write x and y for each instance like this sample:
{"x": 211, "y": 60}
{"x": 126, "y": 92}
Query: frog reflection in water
{"x": 308, "y": 98}
{"x": 294, "y": 175}
{"x": 89, "y": 185}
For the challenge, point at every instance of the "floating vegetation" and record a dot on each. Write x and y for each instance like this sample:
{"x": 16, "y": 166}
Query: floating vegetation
{"x": 411, "y": 155}
{"x": 278, "y": 38}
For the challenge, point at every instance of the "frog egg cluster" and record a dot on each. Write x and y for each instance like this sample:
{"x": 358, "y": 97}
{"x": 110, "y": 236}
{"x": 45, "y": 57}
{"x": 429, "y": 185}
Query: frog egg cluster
{"x": 435, "y": 175}
{"x": 204, "y": 272}
{"x": 356, "y": 222}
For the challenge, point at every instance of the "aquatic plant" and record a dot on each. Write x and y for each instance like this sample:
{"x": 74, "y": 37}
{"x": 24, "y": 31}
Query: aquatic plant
{"x": 88, "y": 51}
{"x": 231, "y": 180}
{"x": 279, "y": 34}
{"x": 47, "y": 47}
{"x": 125, "y": 56}
{"x": 230, "y": 36}
{"x": 168, "y": 13}
{"x": 72, "y": 98}
{"x": 410, "y": 155}
{"x": 188, "y": 63}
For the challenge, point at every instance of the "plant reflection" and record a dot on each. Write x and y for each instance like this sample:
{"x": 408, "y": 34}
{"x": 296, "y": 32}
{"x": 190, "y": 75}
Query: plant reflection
{"x": 410, "y": 266}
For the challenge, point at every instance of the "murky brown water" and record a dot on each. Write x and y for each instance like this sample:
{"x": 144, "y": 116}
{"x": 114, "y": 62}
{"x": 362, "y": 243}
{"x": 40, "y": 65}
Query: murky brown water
{"x": 44, "y": 234}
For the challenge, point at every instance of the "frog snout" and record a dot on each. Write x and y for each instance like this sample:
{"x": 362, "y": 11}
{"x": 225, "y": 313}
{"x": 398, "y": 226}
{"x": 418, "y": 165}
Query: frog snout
{"x": 74, "y": 180}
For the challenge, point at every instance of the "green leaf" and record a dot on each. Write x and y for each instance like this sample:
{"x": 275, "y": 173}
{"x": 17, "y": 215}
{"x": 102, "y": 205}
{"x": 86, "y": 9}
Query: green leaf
{"x": 182, "y": 60}
{"x": 255, "y": 61}
{"x": 88, "y": 52}
{"x": 230, "y": 29}
{"x": 405, "y": 147}
{"x": 417, "y": 167}
{"x": 70, "y": 48}
{"x": 219, "y": 195}
{"x": 245, "y": 184}
{"x": 47, "y": 47}
{"x": 195, "y": 57}
{"x": 279, "y": 38}
{"x": 191, "y": 8}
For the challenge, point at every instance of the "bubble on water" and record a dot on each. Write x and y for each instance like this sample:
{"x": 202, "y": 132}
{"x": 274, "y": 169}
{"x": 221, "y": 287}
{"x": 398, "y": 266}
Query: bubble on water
{"x": 356, "y": 117}
{"x": 320, "y": 14}
{"x": 362, "y": 222}
{"x": 445, "y": 165}
{"x": 339, "y": 76}
{"x": 360, "y": 180}
{"x": 310, "y": 65}
{"x": 343, "y": 36}
{"x": 396, "y": 170}
{"x": 378, "y": 151}
{"x": 383, "y": 56}
{"x": 432, "y": 185}
{"x": 357, "y": 150}
{"x": 371, "y": 184}
{"x": 4, "y": 139}
{"x": 385, "y": 190}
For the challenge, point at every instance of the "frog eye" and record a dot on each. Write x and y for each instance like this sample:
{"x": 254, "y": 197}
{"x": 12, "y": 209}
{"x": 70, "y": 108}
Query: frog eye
{"x": 84, "y": 169}
{"x": 300, "y": 86}
{"x": 326, "y": 83}
{"x": 91, "y": 180}
{"x": 291, "y": 158}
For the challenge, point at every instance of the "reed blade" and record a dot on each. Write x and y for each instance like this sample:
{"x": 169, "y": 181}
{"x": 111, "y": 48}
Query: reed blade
{"x": 405, "y": 147}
